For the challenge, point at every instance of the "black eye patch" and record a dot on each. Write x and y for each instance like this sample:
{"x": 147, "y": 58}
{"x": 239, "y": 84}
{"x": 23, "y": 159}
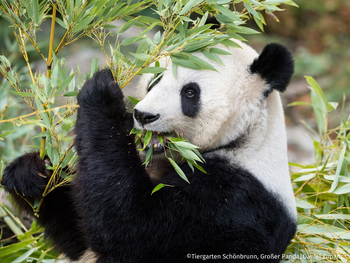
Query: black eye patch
{"x": 190, "y": 99}
{"x": 154, "y": 81}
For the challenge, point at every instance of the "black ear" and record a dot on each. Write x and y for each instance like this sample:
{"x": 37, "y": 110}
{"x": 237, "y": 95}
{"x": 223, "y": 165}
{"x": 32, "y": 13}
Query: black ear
{"x": 275, "y": 65}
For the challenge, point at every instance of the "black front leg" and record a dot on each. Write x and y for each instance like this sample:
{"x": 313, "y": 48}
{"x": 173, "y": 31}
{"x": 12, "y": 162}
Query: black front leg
{"x": 25, "y": 179}
{"x": 110, "y": 171}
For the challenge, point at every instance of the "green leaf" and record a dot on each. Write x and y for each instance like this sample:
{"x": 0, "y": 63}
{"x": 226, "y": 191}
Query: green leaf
{"x": 67, "y": 159}
{"x": 71, "y": 94}
{"x": 299, "y": 103}
{"x": 344, "y": 189}
{"x": 149, "y": 155}
{"x": 94, "y": 66}
{"x": 135, "y": 131}
{"x": 305, "y": 177}
{"x": 202, "y": 63}
{"x": 126, "y": 26}
{"x": 83, "y": 23}
{"x": 25, "y": 255}
{"x": 185, "y": 144}
{"x": 4, "y": 60}
{"x": 42, "y": 134}
{"x": 331, "y": 106}
{"x": 12, "y": 249}
{"x": 141, "y": 56}
{"x": 160, "y": 186}
{"x": 64, "y": 84}
{"x": 25, "y": 94}
{"x": 54, "y": 75}
{"x": 217, "y": 58}
{"x": 147, "y": 139}
{"x": 252, "y": 11}
{"x": 160, "y": 139}
{"x": 184, "y": 63}
{"x": 245, "y": 30}
{"x": 174, "y": 69}
{"x": 312, "y": 82}
{"x": 157, "y": 188}
{"x": 303, "y": 204}
{"x": 228, "y": 13}
{"x": 154, "y": 70}
{"x": 337, "y": 172}
{"x": 189, "y": 6}
{"x": 3, "y": 135}
{"x": 133, "y": 100}
{"x": 178, "y": 170}
{"x": 219, "y": 51}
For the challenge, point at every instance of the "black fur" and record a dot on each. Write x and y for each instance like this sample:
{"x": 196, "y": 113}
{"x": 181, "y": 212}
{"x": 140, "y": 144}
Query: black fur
{"x": 190, "y": 104}
{"x": 235, "y": 144}
{"x": 26, "y": 178}
{"x": 226, "y": 211}
{"x": 275, "y": 65}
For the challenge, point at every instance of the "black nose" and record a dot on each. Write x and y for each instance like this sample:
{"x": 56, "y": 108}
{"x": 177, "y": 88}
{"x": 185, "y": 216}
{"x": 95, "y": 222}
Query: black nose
{"x": 145, "y": 117}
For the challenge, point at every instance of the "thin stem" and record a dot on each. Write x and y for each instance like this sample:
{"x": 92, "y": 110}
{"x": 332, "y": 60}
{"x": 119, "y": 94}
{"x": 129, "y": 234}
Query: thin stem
{"x": 33, "y": 113}
{"x": 48, "y": 70}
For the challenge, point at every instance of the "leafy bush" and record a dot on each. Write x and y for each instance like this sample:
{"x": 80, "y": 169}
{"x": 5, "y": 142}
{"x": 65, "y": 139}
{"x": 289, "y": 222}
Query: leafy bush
{"x": 51, "y": 104}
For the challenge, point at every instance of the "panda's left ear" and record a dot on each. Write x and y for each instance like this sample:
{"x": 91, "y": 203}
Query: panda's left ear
{"x": 275, "y": 65}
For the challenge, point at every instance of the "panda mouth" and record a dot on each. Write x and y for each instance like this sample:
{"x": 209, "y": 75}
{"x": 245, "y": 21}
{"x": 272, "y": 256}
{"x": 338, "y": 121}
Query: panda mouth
{"x": 158, "y": 146}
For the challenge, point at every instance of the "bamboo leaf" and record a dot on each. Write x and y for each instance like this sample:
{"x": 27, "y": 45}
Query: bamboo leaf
{"x": 202, "y": 63}
{"x": 154, "y": 70}
{"x": 71, "y": 94}
{"x": 83, "y": 23}
{"x": 3, "y": 135}
{"x": 303, "y": 204}
{"x": 178, "y": 170}
{"x": 133, "y": 100}
{"x": 252, "y": 11}
{"x": 140, "y": 56}
{"x": 147, "y": 139}
{"x": 126, "y": 26}
{"x": 149, "y": 155}
{"x": 228, "y": 13}
{"x": 64, "y": 84}
{"x": 189, "y": 6}
{"x": 337, "y": 172}
{"x": 11, "y": 249}
{"x": 219, "y": 51}
{"x": 344, "y": 189}
{"x": 160, "y": 186}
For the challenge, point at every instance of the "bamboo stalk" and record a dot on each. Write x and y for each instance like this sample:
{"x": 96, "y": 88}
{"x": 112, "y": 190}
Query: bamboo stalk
{"x": 48, "y": 70}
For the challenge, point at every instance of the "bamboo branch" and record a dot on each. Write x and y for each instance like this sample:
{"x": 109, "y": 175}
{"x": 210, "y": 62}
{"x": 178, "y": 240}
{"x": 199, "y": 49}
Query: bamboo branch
{"x": 146, "y": 63}
{"x": 48, "y": 70}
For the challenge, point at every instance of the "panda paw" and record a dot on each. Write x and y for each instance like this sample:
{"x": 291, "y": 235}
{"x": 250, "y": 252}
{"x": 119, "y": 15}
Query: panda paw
{"x": 27, "y": 176}
{"x": 102, "y": 93}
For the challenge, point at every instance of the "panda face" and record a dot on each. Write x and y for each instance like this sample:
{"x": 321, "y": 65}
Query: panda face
{"x": 208, "y": 108}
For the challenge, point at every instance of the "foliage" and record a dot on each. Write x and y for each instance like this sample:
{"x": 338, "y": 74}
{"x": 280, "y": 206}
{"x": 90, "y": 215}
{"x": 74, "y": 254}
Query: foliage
{"x": 323, "y": 189}
{"x": 51, "y": 96}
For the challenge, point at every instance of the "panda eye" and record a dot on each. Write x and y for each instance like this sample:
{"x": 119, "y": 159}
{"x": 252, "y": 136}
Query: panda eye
{"x": 190, "y": 93}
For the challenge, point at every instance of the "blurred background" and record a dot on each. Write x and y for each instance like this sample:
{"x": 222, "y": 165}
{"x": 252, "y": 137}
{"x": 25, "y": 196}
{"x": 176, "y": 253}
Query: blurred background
{"x": 317, "y": 32}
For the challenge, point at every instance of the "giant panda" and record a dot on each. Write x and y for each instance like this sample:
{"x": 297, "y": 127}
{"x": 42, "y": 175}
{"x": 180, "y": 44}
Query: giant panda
{"x": 241, "y": 210}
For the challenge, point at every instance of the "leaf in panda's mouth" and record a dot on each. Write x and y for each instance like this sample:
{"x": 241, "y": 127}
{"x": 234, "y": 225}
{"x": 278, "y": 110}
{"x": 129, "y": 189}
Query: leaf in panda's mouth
{"x": 157, "y": 142}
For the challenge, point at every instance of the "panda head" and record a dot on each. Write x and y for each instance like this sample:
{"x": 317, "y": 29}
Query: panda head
{"x": 212, "y": 109}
